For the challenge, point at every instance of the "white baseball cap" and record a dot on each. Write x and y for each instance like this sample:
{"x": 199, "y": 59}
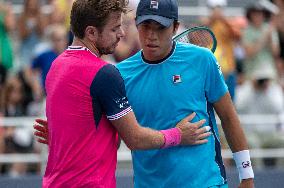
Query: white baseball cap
{"x": 217, "y": 3}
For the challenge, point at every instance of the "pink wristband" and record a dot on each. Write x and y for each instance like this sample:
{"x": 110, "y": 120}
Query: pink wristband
{"x": 172, "y": 137}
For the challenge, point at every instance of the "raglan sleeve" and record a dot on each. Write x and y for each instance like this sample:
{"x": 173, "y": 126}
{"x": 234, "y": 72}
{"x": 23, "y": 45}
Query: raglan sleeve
{"x": 108, "y": 90}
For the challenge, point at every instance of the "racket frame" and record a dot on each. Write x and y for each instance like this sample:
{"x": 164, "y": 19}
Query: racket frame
{"x": 175, "y": 38}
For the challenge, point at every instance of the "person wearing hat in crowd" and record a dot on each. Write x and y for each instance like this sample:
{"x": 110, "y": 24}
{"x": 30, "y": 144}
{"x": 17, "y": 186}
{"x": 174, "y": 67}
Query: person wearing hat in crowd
{"x": 226, "y": 36}
{"x": 167, "y": 80}
{"x": 260, "y": 42}
{"x": 262, "y": 95}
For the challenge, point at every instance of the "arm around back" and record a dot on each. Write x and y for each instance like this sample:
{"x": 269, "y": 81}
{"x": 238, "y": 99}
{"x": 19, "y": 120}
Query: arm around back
{"x": 139, "y": 138}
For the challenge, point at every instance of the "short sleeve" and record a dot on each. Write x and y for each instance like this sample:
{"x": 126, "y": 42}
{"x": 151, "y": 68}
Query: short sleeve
{"x": 215, "y": 86}
{"x": 108, "y": 89}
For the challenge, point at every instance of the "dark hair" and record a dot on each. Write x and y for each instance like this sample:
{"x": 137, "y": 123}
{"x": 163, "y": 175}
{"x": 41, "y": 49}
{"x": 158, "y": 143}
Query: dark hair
{"x": 252, "y": 8}
{"x": 93, "y": 13}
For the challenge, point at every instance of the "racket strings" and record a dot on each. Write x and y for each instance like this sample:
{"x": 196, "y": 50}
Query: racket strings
{"x": 201, "y": 38}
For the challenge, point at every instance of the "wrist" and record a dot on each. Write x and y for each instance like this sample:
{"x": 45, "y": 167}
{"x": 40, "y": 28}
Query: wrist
{"x": 172, "y": 137}
{"x": 243, "y": 163}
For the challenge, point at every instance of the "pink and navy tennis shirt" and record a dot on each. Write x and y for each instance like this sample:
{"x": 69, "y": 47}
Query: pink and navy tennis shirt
{"x": 83, "y": 94}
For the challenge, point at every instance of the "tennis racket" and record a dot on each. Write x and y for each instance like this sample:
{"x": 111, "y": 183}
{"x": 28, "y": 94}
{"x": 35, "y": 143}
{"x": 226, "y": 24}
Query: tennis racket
{"x": 199, "y": 36}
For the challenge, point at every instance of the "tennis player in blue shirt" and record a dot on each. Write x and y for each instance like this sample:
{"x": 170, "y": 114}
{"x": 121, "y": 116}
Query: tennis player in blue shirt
{"x": 164, "y": 82}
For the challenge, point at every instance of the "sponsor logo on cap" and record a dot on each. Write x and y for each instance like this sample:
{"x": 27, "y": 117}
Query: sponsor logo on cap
{"x": 154, "y": 4}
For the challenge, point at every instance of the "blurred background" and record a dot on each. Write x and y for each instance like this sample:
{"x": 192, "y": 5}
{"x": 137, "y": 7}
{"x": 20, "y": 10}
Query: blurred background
{"x": 250, "y": 35}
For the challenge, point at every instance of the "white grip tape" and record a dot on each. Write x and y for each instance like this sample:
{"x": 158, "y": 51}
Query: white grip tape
{"x": 243, "y": 163}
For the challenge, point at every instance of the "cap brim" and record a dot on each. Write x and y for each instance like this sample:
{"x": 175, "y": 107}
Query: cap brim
{"x": 167, "y": 22}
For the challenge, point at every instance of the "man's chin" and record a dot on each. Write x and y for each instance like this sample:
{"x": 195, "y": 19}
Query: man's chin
{"x": 107, "y": 52}
{"x": 152, "y": 53}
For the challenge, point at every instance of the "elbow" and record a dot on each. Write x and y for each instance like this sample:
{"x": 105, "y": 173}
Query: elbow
{"x": 132, "y": 147}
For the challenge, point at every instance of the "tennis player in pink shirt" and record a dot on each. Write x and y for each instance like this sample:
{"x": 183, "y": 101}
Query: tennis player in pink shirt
{"x": 87, "y": 105}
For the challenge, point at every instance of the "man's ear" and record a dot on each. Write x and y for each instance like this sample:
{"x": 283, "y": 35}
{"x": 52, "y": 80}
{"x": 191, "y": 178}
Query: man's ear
{"x": 176, "y": 26}
{"x": 91, "y": 33}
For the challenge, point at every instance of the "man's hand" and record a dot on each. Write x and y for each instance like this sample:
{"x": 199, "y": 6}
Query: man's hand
{"x": 193, "y": 133}
{"x": 41, "y": 131}
{"x": 248, "y": 183}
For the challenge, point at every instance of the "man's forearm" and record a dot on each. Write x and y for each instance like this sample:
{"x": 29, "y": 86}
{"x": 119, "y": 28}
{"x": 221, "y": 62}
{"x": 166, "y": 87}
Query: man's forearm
{"x": 231, "y": 123}
{"x": 235, "y": 136}
{"x": 146, "y": 138}
{"x": 135, "y": 136}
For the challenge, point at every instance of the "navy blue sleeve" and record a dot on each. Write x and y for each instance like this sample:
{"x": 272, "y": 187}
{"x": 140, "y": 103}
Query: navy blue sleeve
{"x": 108, "y": 93}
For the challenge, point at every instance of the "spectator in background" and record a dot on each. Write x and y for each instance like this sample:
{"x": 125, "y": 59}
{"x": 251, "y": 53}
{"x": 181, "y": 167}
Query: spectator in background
{"x": 61, "y": 15}
{"x": 12, "y": 98}
{"x": 57, "y": 34}
{"x": 7, "y": 23}
{"x": 262, "y": 96}
{"x": 31, "y": 24}
{"x": 33, "y": 97}
{"x": 260, "y": 42}
{"x": 226, "y": 37}
{"x": 17, "y": 140}
{"x": 61, "y": 12}
{"x": 280, "y": 30}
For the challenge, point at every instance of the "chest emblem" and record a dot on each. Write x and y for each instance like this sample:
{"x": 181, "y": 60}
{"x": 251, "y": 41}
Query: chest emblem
{"x": 176, "y": 79}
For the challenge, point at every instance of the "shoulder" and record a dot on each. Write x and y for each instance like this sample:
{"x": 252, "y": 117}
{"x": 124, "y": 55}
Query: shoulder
{"x": 87, "y": 60}
{"x": 108, "y": 70}
{"x": 106, "y": 78}
{"x": 130, "y": 64}
{"x": 107, "y": 74}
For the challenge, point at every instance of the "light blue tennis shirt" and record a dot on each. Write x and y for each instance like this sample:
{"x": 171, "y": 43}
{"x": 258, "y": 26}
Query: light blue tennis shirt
{"x": 188, "y": 80}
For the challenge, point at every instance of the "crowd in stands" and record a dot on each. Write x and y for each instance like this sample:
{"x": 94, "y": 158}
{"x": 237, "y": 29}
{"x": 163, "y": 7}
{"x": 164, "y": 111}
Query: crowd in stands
{"x": 250, "y": 51}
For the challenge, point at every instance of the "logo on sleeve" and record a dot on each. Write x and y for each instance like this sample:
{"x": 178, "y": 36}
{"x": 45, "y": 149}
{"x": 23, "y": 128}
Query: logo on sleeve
{"x": 176, "y": 79}
{"x": 219, "y": 68}
{"x": 154, "y": 4}
{"x": 122, "y": 103}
